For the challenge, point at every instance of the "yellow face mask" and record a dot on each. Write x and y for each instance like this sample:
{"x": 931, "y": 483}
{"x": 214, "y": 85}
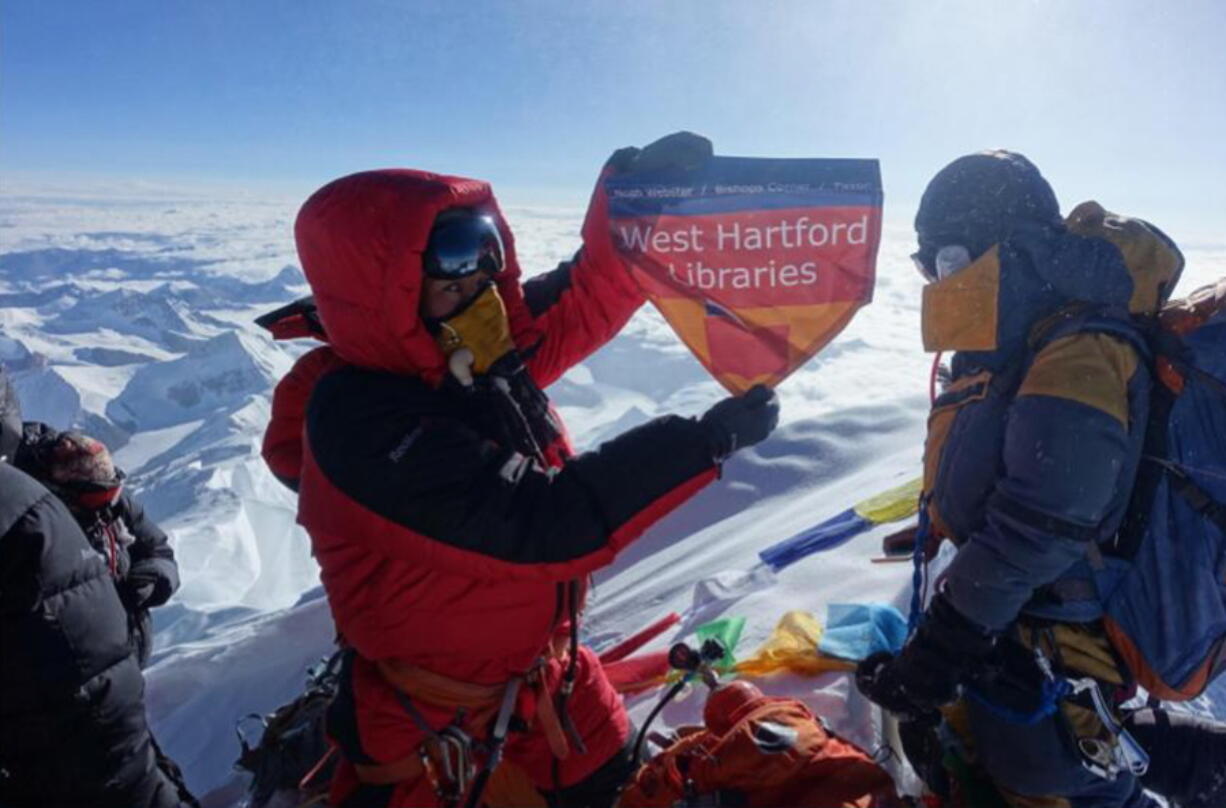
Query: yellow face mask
{"x": 478, "y": 336}
{"x": 960, "y": 312}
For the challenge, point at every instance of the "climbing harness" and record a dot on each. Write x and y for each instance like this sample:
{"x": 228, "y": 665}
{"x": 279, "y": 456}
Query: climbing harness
{"x": 1122, "y": 753}
{"x": 1106, "y": 756}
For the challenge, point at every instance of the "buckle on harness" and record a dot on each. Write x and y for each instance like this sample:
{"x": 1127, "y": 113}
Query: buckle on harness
{"x": 1104, "y": 757}
{"x": 1105, "y": 753}
{"x": 1119, "y": 752}
{"x": 454, "y": 758}
{"x": 459, "y": 773}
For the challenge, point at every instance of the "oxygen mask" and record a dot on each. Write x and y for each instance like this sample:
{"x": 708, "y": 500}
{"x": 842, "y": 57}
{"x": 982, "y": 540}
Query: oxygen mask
{"x": 476, "y": 336}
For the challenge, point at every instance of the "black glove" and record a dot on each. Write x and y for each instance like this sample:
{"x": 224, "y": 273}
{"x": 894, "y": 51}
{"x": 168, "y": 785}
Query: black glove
{"x": 944, "y": 652}
{"x": 680, "y": 150}
{"x": 740, "y": 421}
{"x": 1187, "y": 756}
{"x": 135, "y": 594}
{"x": 140, "y": 587}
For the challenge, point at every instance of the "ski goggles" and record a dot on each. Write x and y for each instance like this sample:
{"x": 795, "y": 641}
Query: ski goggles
{"x": 938, "y": 264}
{"x": 463, "y": 245}
{"x": 91, "y": 496}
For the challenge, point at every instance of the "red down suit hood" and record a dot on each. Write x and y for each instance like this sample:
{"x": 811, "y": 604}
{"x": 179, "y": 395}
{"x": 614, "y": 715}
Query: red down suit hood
{"x": 360, "y": 239}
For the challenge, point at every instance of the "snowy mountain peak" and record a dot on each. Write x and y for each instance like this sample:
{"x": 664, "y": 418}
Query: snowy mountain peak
{"x": 151, "y": 316}
{"x": 14, "y": 354}
{"x": 47, "y": 396}
{"x": 217, "y": 374}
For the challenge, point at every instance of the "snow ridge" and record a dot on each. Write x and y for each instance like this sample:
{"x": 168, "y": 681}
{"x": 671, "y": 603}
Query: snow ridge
{"x": 133, "y": 320}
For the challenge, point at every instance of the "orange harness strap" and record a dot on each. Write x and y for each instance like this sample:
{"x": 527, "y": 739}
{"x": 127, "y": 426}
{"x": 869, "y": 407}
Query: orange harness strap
{"x": 480, "y": 703}
{"x": 547, "y": 714}
{"x": 383, "y": 774}
{"x": 438, "y": 690}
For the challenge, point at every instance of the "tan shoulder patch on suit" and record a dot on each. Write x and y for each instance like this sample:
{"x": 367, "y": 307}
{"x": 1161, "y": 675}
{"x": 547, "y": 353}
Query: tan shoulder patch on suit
{"x": 1091, "y": 368}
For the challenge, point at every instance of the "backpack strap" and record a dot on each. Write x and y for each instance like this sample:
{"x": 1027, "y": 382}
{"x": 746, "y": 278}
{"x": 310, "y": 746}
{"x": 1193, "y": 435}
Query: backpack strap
{"x": 1201, "y": 500}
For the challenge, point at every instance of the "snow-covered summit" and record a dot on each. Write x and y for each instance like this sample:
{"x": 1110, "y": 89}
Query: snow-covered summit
{"x": 141, "y": 314}
{"x": 134, "y": 321}
{"x": 210, "y": 376}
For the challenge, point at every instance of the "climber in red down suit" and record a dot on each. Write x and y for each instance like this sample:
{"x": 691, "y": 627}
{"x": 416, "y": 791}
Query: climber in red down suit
{"x": 453, "y": 525}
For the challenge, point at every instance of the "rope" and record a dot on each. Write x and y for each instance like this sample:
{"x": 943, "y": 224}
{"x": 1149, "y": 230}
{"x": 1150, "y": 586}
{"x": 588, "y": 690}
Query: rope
{"x": 916, "y": 617}
{"x": 1051, "y": 694}
{"x": 922, "y": 530}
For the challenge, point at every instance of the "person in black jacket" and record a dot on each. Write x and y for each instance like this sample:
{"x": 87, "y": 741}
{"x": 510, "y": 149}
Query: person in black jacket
{"x": 72, "y": 715}
{"x": 79, "y": 470}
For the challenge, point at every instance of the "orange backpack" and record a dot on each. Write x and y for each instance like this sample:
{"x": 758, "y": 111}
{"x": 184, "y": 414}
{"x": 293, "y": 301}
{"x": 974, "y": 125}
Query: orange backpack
{"x": 768, "y": 752}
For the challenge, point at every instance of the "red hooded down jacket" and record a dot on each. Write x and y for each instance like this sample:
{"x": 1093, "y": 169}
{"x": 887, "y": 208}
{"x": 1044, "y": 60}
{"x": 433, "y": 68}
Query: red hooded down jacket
{"x": 437, "y": 546}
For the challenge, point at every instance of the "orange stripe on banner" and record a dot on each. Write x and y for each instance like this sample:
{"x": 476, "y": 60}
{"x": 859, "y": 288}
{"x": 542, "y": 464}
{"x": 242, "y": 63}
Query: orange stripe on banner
{"x": 808, "y": 329}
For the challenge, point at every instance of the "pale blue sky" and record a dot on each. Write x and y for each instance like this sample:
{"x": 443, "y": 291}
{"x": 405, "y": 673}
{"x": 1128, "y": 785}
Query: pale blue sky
{"x": 1122, "y": 100}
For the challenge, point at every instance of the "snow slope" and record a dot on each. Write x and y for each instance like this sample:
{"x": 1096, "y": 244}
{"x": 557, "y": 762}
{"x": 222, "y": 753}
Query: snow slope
{"x": 131, "y": 317}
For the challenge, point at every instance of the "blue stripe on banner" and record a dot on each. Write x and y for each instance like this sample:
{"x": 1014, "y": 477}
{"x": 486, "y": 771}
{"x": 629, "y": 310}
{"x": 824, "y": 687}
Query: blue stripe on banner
{"x": 731, "y": 184}
{"x": 824, "y": 536}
